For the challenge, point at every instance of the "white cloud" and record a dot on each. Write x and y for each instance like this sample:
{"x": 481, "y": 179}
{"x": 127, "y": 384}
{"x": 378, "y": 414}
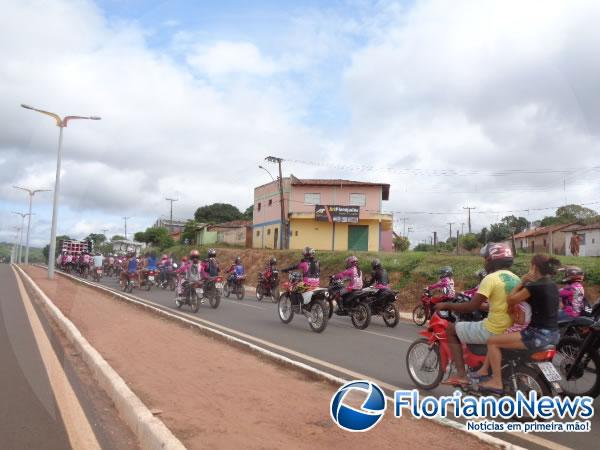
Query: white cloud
{"x": 223, "y": 58}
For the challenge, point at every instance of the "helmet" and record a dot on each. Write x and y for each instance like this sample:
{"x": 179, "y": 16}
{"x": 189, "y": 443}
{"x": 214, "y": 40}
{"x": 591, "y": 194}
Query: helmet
{"x": 481, "y": 274}
{"x": 194, "y": 254}
{"x": 308, "y": 252}
{"x": 499, "y": 255}
{"x": 164, "y": 256}
{"x": 445, "y": 272}
{"x": 273, "y": 261}
{"x": 184, "y": 259}
{"x": 375, "y": 264}
{"x": 351, "y": 261}
{"x": 238, "y": 260}
{"x": 212, "y": 253}
{"x": 573, "y": 274}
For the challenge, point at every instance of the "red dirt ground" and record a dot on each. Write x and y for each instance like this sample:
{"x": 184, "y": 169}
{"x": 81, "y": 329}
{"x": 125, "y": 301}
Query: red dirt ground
{"x": 214, "y": 395}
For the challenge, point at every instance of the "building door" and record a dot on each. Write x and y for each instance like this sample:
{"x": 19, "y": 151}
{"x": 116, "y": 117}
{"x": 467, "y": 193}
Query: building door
{"x": 358, "y": 237}
{"x": 276, "y": 238}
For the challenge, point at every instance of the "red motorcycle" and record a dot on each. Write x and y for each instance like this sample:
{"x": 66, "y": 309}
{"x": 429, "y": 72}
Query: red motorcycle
{"x": 149, "y": 278}
{"x": 424, "y": 311}
{"x": 268, "y": 285}
{"x": 429, "y": 359}
{"x": 97, "y": 274}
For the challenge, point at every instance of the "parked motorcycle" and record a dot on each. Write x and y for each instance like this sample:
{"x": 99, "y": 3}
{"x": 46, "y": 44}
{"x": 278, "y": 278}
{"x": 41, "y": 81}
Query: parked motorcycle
{"x": 429, "y": 360}
{"x": 311, "y": 302}
{"x": 97, "y": 274}
{"x": 578, "y": 360}
{"x": 235, "y": 285}
{"x": 268, "y": 287}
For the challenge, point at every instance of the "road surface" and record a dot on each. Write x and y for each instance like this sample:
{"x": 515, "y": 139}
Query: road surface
{"x": 47, "y": 399}
{"x": 377, "y": 353}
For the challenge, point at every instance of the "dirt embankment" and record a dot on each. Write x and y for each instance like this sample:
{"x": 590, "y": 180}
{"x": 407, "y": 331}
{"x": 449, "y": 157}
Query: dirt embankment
{"x": 213, "y": 395}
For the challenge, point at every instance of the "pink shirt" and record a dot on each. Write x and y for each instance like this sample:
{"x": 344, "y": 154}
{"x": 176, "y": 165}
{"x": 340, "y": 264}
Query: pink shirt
{"x": 353, "y": 275}
{"x": 572, "y": 299}
{"x": 446, "y": 284}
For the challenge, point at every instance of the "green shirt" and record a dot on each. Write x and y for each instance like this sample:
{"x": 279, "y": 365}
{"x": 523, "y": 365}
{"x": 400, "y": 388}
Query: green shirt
{"x": 496, "y": 287}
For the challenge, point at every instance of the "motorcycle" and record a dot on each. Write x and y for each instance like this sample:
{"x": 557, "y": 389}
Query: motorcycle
{"x": 382, "y": 302}
{"x": 168, "y": 276}
{"x": 97, "y": 274}
{"x": 268, "y": 287}
{"x": 84, "y": 270}
{"x": 213, "y": 290}
{"x": 429, "y": 360}
{"x": 311, "y": 302}
{"x": 578, "y": 360}
{"x": 129, "y": 283}
{"x": 356, "y": 306}
{"x": 571, "y": 328}
{"x": 149, "y": 279}
{"x": 235, "y": 285}
{"x": 192, "y": 294}
{"x": 424, "y": 311}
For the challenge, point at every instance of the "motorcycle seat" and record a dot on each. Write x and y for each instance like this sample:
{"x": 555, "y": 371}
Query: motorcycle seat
{"x": 478, "y": 349}
{"x": 581, "y": 321}
{"x": 526, "y": 352}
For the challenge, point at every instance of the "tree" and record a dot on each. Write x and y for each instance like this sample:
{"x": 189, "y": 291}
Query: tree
{"x": 117, "y": 237}
{"x": 517, "y": 223}
{"x": 217, "y": 213}
{"x": 568, "y": 214}
{"x": 140, "y": 236}
{"x": 423, "y": 248}
{"x": 469, "y": 241}
{"x": 96, "y": 238}
{"x": 482, "y": 236}
{"x": 249, "y": 213}
{"x": 189, "y": 232}
{"x": 156, "y": 237}
{"x": 498, "y": 232}
{"x": 401, "y": 243}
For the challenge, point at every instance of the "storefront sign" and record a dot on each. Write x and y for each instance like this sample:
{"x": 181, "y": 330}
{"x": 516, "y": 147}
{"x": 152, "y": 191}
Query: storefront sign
{"x": 337, "y": 213}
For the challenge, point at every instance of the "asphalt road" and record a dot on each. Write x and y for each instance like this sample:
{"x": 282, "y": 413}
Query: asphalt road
{"x": 35, "y": 394}
{"x": 378, "y": 352}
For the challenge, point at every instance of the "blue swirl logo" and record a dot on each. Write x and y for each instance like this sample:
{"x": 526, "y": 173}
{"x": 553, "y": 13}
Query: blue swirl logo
{"x": 369, "y": 414}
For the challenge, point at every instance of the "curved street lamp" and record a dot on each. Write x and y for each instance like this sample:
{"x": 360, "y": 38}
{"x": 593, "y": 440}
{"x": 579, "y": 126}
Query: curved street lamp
{"x": 60, "y": 123}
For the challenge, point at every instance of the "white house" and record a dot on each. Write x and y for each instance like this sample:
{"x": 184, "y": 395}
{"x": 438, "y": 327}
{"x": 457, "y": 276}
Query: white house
{"x": 589, "y": 235}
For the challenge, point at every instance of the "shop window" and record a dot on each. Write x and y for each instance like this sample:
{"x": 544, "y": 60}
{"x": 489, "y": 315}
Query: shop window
{"x": 312, "y": 198}
{"x": 268, "y": 232}
{"x": 358, "y": 199}
{"x": 270, "y": 201}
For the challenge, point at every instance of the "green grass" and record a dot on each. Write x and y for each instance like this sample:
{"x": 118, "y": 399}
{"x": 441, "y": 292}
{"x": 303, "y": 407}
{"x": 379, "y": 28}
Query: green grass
{"x": 35, "y": 254}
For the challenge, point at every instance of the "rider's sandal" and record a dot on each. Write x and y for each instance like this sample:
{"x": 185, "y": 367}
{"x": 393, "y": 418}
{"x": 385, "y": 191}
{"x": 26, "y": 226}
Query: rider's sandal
{"x": 491, "y": 390}
{"x": 453, "y": 381}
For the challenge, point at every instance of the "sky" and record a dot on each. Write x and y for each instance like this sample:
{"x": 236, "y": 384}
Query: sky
{"x": 490, "y": 104}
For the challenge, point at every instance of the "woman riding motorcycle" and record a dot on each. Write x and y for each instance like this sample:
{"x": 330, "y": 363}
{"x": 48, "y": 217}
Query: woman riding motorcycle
{"x": 309, "y": 266}
{"x": 354, "y": 275}
{"x": 572, "y": 296}
{"x": 379, "y": 276}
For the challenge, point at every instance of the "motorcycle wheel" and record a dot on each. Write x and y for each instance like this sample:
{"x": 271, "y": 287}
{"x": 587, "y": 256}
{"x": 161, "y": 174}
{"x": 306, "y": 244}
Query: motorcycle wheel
{"x": 319, "y": 318}
{"x": 178, "y": 303}
{"x": 285, "y": 309}
{"x": 194, "y": 302}
{"x": 419, "y": 315}
{"x": 215, "y": 300}
{"x": 240, "y": 292}
{"x": 391, "y": 315}
{"x": 259, "y": 293}
{"x": 529, "y": 379}
{"x": 423, "y": 364}
{"x": 361, "y": 316}
{"x": 586, "y": 380}
{"x": 172, "y": 284}
{"x": 226, "y": 290}
{"x": 148, "y": 286}
{"x": 130, "y": 287}
{"x": 275, "y": 294}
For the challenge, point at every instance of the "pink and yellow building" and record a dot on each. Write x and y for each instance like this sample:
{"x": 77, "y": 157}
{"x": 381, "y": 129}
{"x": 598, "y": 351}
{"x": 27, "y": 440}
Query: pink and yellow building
{"x": 373, "y": 232}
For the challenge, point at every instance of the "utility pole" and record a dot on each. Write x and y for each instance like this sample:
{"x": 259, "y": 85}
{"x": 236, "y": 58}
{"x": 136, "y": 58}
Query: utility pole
{"x": 283, "y": 238}
{"x": 435, "y": 241}
{"x": 469, "y": 208}
{"x": 403, "y": 219}
{"x": 125, "y": 219}
{"x": 462, "y": 228}
{"x": 104, "y": 230}
{"x": 171, "y": 200}
{"x": 457, "y": 242}
{"x": 450, "y": 223}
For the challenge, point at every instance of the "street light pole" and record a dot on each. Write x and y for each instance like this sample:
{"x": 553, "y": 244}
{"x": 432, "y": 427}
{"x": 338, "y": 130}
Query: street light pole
{"x": 31, "y": 193}
{"x": 261, "y": 167}
{"x": 20, "y": 253}
{"x": 125, "y": 219}
{"x": 60, "y": 123}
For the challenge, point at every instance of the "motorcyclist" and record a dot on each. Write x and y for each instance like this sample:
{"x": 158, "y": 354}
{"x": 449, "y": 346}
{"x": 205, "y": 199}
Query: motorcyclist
{"x": 494, "y": 289}
{"x": 181, "y": 271}
{"x": 98, "y": 260}
{"x": 131, "y": 268}
{"x": 210, "y": 264}
{"x": 195, "y": 270}
{"x": 355, "y": 284}
{"x": 236, "y": 270}
{"x": 310, "y": 267}
{"x": 445, "y": 283}
{"x": 379, "y": 276}
{"x": 481, "y": 273}
{"x": 572, "y": 296}
{"x": 164, "y": 265}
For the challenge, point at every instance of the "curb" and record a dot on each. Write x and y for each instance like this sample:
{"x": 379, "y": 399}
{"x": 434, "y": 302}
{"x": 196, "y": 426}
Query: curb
{"x": 313, "y": 371}
{"x": 151, "y": 432}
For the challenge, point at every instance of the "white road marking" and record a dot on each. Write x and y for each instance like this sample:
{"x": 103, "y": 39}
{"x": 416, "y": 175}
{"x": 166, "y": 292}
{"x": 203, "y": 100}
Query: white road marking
{"x": 241, "y": 303}
{"x": 78, "y": 428}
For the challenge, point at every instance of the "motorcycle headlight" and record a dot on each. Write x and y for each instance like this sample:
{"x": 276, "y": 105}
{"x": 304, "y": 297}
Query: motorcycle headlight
{"x": 326, "y": 294}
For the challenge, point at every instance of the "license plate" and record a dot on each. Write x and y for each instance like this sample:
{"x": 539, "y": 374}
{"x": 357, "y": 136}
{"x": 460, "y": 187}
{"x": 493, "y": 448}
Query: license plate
{"x": 199, "y": 292}
{"x": 219, "y": 285}
{"x": 549, "y": 371}
{"x": 151, "y": 278}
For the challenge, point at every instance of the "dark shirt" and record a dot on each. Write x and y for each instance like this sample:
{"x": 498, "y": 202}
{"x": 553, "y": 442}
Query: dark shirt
{"x": 544, "y": 302}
